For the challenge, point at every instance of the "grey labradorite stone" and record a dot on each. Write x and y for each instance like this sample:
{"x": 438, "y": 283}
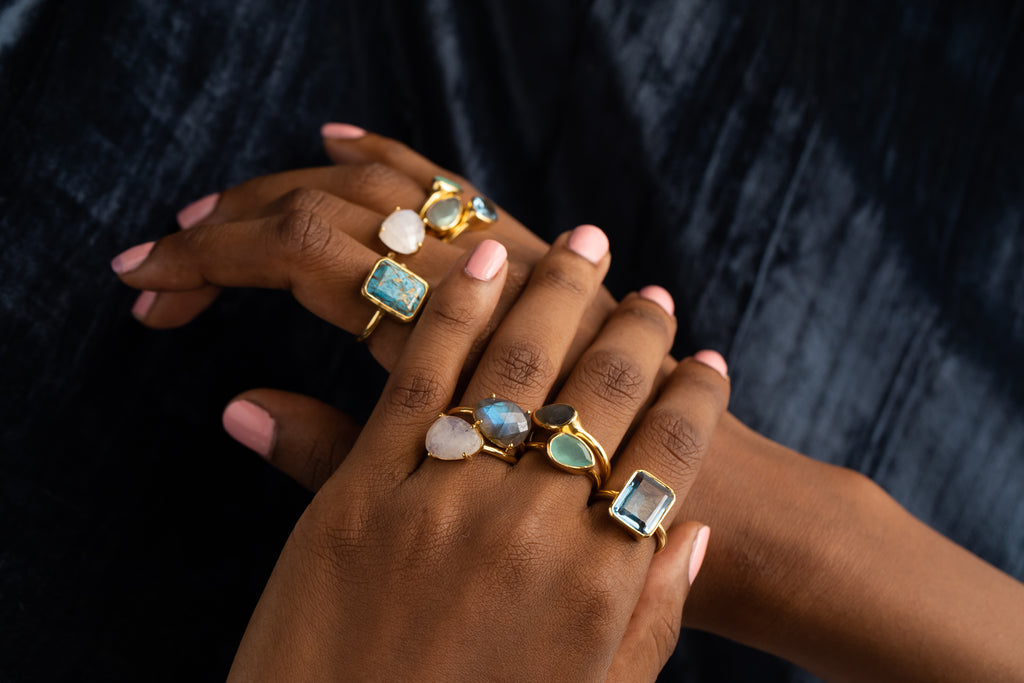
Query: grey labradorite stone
{"x": 503, "y": 422}
{"x": 555, "y": 415}
{"x": 445, "y": 213}
{"x": 567, "y": 450}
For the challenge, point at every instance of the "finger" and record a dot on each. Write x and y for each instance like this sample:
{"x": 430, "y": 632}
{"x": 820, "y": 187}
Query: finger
{"x": 300, "y": 251}
{"x": 423, "y": 382}
{"x": 301, "y": 436}
{"x": 612, "y": 380}
{"x": 673, "y": 436}
{"x": 653, "y": 629}
{"x": 524, "y": 357}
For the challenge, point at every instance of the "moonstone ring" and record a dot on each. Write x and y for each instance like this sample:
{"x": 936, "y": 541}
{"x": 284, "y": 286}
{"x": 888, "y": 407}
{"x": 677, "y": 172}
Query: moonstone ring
{"x": 558, "y": 434}
{"x": 493, "y": 426}
{"x": 641, "y": 506}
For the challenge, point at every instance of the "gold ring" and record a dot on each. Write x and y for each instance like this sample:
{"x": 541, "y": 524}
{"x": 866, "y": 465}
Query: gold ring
{"x": 442, "y": 210}
{"x": 558, "y": 434}
{"x": 494, "y": 426}
{"x": 641, "y": 506}
{"x": 393, "y": 289}
{"x": 479, "y": 213}
{"x": 402, "y": 231}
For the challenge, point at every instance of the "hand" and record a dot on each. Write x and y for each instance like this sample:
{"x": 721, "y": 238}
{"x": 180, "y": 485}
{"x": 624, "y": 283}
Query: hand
{"x": 414, "y": 568}
{"x": 314, "y": 232}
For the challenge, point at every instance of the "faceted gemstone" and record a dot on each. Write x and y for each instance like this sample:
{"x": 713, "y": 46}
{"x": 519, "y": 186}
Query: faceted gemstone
{"x": 445, "y": 213}
{"x": 452, "y": 438}
{"x": 567, "y": 450}
{"x": 643, "y": 503}
{"x": 395, "y": 288}
{"x": 442, "y": 184}
{"x": 554, "y": 415}
{"x": 403, "y": 231}
{"x": 503, "y": 422}
{"x": 485, "y": 209}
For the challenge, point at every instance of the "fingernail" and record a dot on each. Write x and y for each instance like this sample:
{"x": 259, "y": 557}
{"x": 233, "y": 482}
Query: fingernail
{"x": 249, "y": 425}
{"x": 700, "y": 546}
{"x": 589, "y": 241}
{"x": 713, "y": 359}
{"x": 143, "y": 304}
{"x": 486, "y": 261}
{"x": 341, "y": 131}
{"x": 198, "y": 210}
{"x": 660, "y": 296}
{"x": 130, "y": 259}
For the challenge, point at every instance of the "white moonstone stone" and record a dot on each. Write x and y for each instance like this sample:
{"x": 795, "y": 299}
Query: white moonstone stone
{"x": 452, "y": 438}
{"x": 402, "y": 231}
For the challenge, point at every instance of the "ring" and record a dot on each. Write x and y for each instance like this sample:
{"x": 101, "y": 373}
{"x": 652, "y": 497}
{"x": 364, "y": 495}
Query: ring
{"x": 479, "y": 213}
{"x": 641, "y": 506}
{"x": 393, "y": 289}
{"x": 402, "y": 231}
{"x": 558, "y": 433}
{"x": 443, "y": 209}
{"x": 494, "y": 426}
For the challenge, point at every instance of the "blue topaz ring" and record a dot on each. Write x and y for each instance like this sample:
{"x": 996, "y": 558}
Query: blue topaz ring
{"x": 443, "y": 209}
{"x": 479, "y": 213}
{"x": 641, "y": 506}
{"x": 493, "y": 426}
{"x": 558, "y": 434}
{"x": 394, "y": 290}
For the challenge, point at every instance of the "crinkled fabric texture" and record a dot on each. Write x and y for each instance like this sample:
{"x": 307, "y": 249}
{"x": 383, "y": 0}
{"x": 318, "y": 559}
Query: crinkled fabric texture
{"x": 833, "y": 192}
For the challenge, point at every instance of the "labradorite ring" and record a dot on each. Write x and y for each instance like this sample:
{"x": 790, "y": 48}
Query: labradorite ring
{"x": 558, "y": 434}
{"x": 494, "y": 426}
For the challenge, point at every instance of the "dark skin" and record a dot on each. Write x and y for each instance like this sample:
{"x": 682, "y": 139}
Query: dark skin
{"x": 809, "y": 539}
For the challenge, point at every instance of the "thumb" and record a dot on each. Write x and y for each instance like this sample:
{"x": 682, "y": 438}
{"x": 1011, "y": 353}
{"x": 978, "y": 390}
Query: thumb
{"x": 653, "y": 630}
{"x": 301, "y": 436}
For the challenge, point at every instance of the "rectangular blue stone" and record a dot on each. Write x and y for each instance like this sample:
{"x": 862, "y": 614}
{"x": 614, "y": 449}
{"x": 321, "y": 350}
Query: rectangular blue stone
{"x": 643, "y": 503}
{"x": 395, "y": 289}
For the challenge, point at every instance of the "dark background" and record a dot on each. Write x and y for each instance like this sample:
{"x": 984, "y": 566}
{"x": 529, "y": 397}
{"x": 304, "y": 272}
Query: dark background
{"x": 833, "y": 192}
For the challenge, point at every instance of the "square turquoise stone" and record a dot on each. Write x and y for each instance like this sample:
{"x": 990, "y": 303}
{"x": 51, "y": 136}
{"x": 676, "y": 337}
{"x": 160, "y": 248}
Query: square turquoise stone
{"x": 643, "y": 503}
{"x": 395, "y": 289}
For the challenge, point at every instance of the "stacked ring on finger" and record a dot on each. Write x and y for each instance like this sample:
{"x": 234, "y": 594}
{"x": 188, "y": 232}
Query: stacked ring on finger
{"x": 641, "y": 505}
{"x": 558, "y": 434}
{"x": 494, "y": 426}
{"x": 444, "y": 215}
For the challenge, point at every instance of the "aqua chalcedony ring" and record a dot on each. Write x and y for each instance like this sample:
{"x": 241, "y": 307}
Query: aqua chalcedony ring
{"x": 493, "y": 426}
{"x": 394, "y": 290}
{"x": 442, "y": 210}
{"x": 641, "y": 506}
{"x": 479, "y": 213}
{"x": 558, "y": 434}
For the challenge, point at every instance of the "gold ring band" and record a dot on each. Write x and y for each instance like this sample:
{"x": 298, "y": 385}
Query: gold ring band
{"x": 558, "y": 434}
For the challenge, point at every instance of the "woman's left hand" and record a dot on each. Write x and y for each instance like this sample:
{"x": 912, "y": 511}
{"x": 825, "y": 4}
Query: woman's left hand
{"x": 408, "y": 567}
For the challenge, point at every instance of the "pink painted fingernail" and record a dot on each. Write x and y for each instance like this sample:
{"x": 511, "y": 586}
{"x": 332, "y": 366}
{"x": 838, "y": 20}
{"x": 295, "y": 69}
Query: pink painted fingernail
{"x": 486, "y": 260}
{"x": 198, "y": 210}
{"x": 143, "y": 304}
{"x": 713, "y": 359}
{"x": 660, "y": 296}
{"x": 130, "y": 259}
{"x": 249, "y": 425}
{"x": 589, "y": 241}
{"x": 341, "y": 131}
{"x": 700, "y": 547}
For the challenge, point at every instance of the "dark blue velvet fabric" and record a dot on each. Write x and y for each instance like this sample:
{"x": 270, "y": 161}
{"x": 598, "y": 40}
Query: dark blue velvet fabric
{"x": 834, "y": 192}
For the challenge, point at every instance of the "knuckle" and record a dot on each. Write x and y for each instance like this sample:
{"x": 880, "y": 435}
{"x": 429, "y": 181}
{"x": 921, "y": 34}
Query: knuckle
{"x": 613, "y": 376}
{"x": 560, "y": 277}
{"x": 419, "y": 390}
{"x": 306, "y": 235}
{"x": 304, "y": 199}
{"x": 672, "y": 432}
{"x": 373, "y": 177}
{"x": 523, "y": 364}
{"x": 454, "y": 317}
{"x": 654, "y": 320}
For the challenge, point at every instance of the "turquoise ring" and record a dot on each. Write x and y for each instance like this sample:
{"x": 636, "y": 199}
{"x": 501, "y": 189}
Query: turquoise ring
{"x": 394, "y": 290}
{"x": 558, "y": 434}
{"x": 494, "y": 426}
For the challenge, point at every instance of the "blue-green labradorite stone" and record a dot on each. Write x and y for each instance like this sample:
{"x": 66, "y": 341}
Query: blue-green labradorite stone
{"x": 445, "y": 213}
{"x": 393, "y": 287}
{"x": 502, "y": 422}
{"x": 567, "y": 450}
{"x": 485, "y": 209}
{"x": 555, "y": 415}
{"x": 643, "y": 503}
